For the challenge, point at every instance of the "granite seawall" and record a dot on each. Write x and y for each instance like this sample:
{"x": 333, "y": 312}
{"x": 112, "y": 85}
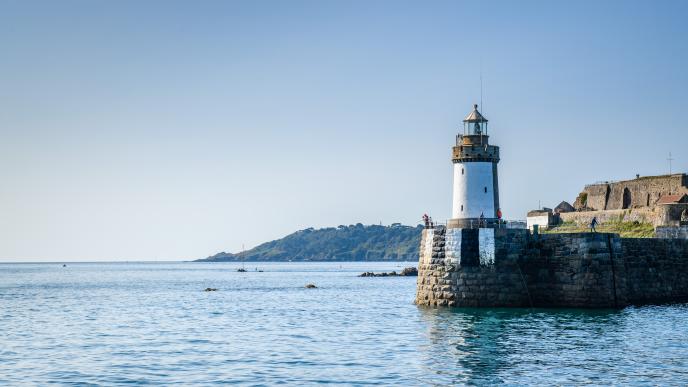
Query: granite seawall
{"x": 514, "y": 268}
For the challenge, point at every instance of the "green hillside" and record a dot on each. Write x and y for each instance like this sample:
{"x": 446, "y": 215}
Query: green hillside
{"x": 624, "y": 229}
{"x": 343, "y": 243}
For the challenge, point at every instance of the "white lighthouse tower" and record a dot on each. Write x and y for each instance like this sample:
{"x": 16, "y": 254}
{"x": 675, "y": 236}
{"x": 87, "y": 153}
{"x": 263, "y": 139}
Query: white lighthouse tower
{"x": 476, "y": 190}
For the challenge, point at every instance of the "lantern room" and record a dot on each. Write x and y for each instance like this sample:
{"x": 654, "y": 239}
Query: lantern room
{"x": 475, "y": 123}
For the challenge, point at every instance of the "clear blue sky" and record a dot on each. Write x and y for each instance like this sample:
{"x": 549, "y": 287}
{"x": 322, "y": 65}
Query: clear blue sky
{"x": 173, "y": 130}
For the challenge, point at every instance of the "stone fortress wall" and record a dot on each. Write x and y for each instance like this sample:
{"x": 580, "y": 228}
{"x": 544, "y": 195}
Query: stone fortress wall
{"x": 636, "y": 193}
{"x": 657, "y": 215}
{"x": 513, "y": 268}
{"x": 636, "y": 200}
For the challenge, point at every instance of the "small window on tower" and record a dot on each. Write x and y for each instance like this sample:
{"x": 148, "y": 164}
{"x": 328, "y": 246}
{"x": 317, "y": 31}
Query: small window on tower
{"x": 462, "y": 171}
{"x": 485, "y": 189}
{"x": 462, "y": 208}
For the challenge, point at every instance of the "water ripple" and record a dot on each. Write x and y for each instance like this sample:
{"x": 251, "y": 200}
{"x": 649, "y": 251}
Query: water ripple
{"x": 146, "y": 323}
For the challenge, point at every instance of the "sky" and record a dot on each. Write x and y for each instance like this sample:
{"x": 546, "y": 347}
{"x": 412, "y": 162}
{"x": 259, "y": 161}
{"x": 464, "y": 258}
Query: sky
{"x": 164, "y": 130}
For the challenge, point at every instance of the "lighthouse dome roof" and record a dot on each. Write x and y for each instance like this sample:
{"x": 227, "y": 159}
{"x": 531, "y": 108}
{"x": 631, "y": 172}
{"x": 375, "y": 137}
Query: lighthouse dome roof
{"x": 475, "y": 115}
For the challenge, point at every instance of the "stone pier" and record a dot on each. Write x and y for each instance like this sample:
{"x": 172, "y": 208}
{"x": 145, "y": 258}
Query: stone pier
{"x": 513, "y": 268}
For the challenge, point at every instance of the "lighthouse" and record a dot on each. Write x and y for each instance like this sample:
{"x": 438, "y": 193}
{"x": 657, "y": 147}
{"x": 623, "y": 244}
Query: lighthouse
{"x": 476, "y": 189}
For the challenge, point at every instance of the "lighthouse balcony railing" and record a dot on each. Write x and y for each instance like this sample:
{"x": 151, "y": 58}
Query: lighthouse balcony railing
{"x": 477, "y": 223}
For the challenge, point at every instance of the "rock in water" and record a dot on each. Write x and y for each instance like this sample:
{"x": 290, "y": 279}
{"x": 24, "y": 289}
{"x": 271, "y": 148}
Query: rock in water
{"x": 407, "y": 272}
{"x": 410, "y": 271}
{"x": 210, "y": 290}
{"x": 311, "y": 286}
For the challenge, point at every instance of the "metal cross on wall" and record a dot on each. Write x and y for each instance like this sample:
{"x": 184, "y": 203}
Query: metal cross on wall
{"x": 670, "y": 160}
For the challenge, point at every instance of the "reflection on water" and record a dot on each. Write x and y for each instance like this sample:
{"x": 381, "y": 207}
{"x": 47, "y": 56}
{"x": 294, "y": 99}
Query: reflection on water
{"x": 550, "y": 346}
{"x": 152, "y": 324}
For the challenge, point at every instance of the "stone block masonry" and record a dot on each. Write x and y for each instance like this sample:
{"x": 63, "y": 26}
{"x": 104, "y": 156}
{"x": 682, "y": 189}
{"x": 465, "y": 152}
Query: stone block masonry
{"x": 657, "y": 216}
{"x": 512, "y": 268}
{"x": 637, "y": 193}
{"x": 672, "y": 232}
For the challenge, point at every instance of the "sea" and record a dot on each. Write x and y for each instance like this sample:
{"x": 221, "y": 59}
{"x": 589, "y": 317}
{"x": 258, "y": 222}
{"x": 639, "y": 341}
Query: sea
{"x": 153, "y": 324}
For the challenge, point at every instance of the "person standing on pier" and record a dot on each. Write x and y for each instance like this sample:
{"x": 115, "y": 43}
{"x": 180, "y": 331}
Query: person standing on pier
{"x": 593, "y": 223}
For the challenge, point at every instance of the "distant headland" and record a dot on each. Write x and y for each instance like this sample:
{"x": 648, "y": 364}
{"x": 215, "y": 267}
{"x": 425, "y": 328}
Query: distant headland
{"x": 343, "y": 243}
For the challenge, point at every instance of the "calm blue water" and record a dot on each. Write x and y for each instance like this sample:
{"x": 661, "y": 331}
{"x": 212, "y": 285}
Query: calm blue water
{"x": 151, "y": 323}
